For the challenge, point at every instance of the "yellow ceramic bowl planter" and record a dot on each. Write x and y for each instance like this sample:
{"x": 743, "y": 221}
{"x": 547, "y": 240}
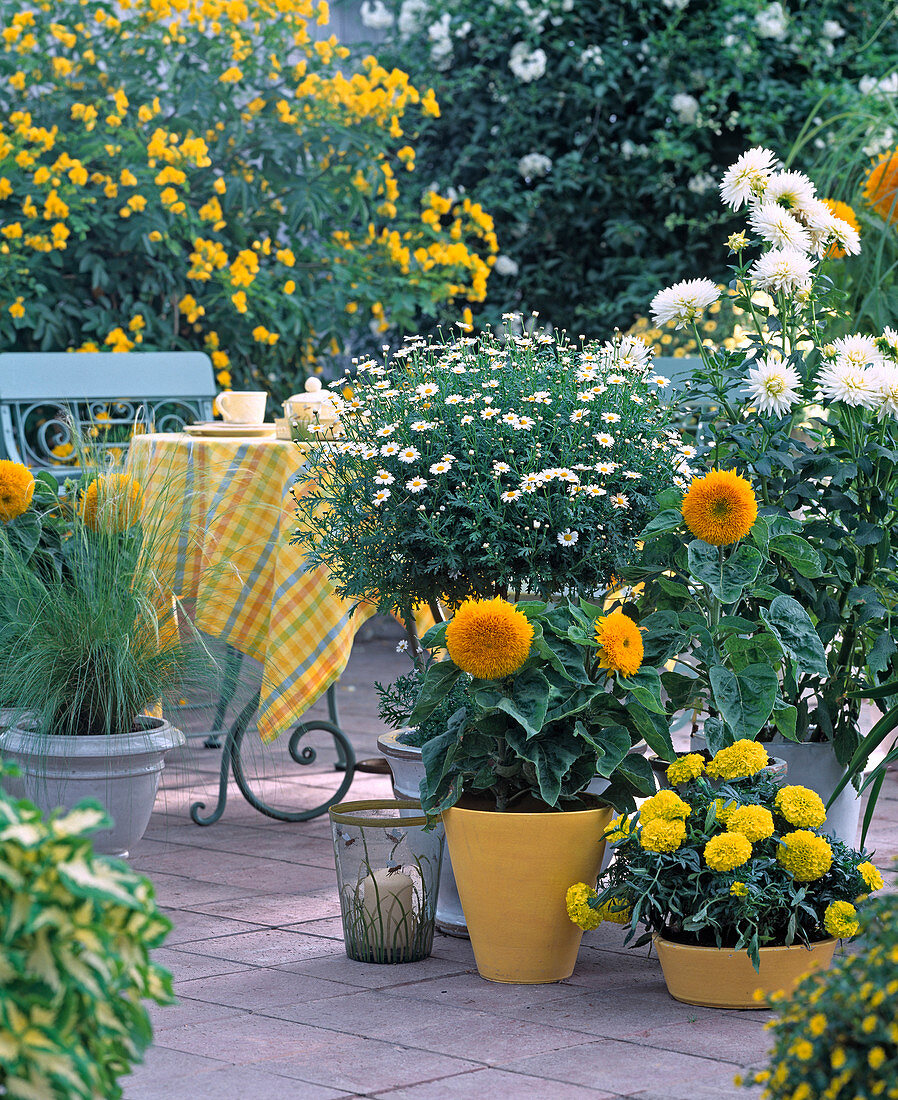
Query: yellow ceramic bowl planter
{"x": 513, "y": 870}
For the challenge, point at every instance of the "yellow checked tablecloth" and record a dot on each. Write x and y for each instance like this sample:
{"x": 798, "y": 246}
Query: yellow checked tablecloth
{"x": 229, "y": 510}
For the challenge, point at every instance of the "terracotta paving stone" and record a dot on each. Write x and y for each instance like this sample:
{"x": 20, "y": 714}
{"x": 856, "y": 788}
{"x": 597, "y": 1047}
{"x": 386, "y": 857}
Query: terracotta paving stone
{"x": 271, "y": 1007}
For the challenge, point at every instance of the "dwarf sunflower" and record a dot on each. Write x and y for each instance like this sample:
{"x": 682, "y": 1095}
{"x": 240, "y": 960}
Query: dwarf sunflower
{"x": 111, "y": 503}
{"x": 16, "y": 489}
{"x": 489, "y": 639}
{"x": 720, "y": 508}
{"x": 881, "y": 186}
{"x": 620, "y": 643}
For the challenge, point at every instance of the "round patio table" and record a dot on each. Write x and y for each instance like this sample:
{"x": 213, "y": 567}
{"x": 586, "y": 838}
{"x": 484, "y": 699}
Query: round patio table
{"x": 228, "y": 503}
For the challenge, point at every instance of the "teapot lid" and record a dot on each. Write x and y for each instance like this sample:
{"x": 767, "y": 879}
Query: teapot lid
{"x": 313, "y": 395}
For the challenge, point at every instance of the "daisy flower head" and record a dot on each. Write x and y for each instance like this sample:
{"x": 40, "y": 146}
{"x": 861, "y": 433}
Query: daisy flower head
{"x": 390, "y": 449}
{"x": 523, "y": 423}
{"x": 606, "y": 467}
{"x": 568, "y": 538}
{"x": 421, "y": 426}
{"x": 620, "y": 500}
{"x": 401, "y": 646}
{"x": 785, "y": 269}
{"x": 659, "y": 380}
{"x": 747, "y": 178}
{"x": 774, "y": 386}
{"x": 440, "y": 467}
{"x": 427, "y": 389}
{"x": 384, "y": 477}
{"x": 630, "y": 353}
{"x": 614, "y": 380}
{"x": 578, "y": 414}
{"x": 604, "y": 439}
{"x": 369, "y": 452}
{"x": 381, "y": 496}
{"x": 858, "y": 351}
{"x": 409, "y": 454}
{"x": 501, "y": 468}
{"x": 778, "y": 227}
{"x": 416, "y": 484}
{"x": 683, "y": 302}
{"x": 509, "y": 495}
{"x": 611, "y": 417}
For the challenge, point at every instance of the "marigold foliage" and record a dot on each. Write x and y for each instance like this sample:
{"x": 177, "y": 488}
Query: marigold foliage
{"x": 489, "y": 639}
{"x": 742, "y": 758}
{"x": 620, "y": 644}
{"x": 720, "y": 508}
{"x": 801, "y": 807}
{"x": 805, "y": 855}
{"x": 16, "y": 489}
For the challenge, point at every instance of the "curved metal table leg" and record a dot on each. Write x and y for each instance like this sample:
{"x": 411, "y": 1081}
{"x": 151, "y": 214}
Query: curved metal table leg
{"x": 231, "y": 761}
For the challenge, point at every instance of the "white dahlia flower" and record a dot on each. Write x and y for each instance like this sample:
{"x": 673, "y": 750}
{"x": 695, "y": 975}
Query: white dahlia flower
{"x": 774, "y": 386}
{"x": 784, "y": 269}
{"x": 683, "y": 301}
{"x": 747, "y": 178}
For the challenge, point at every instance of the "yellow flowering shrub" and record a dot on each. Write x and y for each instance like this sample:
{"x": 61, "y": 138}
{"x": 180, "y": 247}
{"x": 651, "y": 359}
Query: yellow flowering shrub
{"x": 242, "y": 208}
{"x": 709, "y": 865}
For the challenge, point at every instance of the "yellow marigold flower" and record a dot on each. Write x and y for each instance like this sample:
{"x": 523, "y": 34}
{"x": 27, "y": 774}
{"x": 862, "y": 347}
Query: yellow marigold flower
{"x": 16, "y": 489}
{"x": 876, "y": 1057}
{"x": 154, "y": 235}
{"x": 817, "y": 1024}
{"x": 846, "y": 213}
{"x": 231, "y": 75}
{"x": 219, "y": 187}
{"x": 800, "y": 807}
{"x": 803, "y": 1050}
{"x": 127, "y": 178}
{"x": 868, "y": 1024}
{"x": 578, "y": 908}
{"x": 615, "y": 911}
{"x": 489, "y": 639}
{"x": 753, "y": 822}
{"x": 686, "y": 768}
{"x": 220, "y": 360}
{"x": 660, "y": 835}
{"x": 739, "y": 889}
{"x": 621, "y": 828}
{"x": 620, "y": 643}
{"x": 720, "y": 508}
{"x": 870, "y": 875}
{"x": 111, "y": 503}
{"x": 805, "y": 855}
{"x": 840, "y": 920}
{"x": 289, "y": 286}
{"x": 727, "y": 851}
{"x": 666, "y": 805}
{"x": 881, "y": 186}
{"x": 837, "y": 1058}
{"x": 17, "y": 309}
{"x": 742, "y": 758}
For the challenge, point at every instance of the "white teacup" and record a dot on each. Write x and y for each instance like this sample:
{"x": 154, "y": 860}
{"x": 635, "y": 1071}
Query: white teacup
{"x": 242, "y": 406}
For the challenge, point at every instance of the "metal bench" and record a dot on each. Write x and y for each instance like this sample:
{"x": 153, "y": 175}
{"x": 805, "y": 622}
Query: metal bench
{"x": 104, "y": 394}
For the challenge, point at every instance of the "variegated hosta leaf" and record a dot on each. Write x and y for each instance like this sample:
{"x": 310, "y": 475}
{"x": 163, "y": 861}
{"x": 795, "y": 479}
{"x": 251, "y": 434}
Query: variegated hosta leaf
{"x": 28, "y": 834}
{"x": 98, "y": 880}
{"x": 82, "y": 819}
{"x": 42, "y": 962}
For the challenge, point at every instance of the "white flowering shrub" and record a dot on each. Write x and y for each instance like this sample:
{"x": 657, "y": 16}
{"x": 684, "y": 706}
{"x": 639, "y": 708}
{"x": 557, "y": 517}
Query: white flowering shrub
{"x": 594, "y": 131}
{"x": 488, "y": 466}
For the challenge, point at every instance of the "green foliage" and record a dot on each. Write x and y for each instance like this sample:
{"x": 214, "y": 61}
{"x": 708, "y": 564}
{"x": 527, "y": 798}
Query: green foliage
{"x": 215, "y": 174}
{"x": 678, "y": 893}
{"x": 489, "y": 465}
{"x": 86, "y": 648}
{"x": 397, "y": 700}
{"x": 841, "y": 1022}
{"x": 739, "y": 646}
{"x": 74, "y": 958}
{"x": 37, "y": 535}
{"x": 638, "y": 108}
{"x": 543, "y": 732}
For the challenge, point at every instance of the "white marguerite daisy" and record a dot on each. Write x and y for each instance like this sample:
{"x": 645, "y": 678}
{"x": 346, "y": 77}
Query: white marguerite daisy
{"x": 784, "y": 269}
{"x": 595, "y": 490}
{"x": 858, "y": 351}
{"x": 466, "y": 419}
{"x": 509, "y": 495}
{"x": 416, "y": 484}
{"x": 383, "y": 477}
{"x": 604, "y": 439}
{"x": 421, "y": 426}
{"x": 440, "y": 467}
{"x": 773, "y": 385}
{"x": 454, "y": 399}
{"x": 631, "y": 352}
{"x": 620, "y": 500}
{"x": 389, "y": 449}
{"x": 659, "y": 380}
{"x": 381, "y": 496}
{"x": 578, "y": 414}
{"x": 401, "y": 646}
{"x": 793, "y": 190}
{"x": 682, "y": 302}
{"x": 568, "y": 538}
{"x": 523, "y": 423}
{"x": 369, "y": 452}
{"x": 427, "y": 389}
{"x": 606, "y": 467}
{"x": 843, "y": 381}
{"x": 777, "y": 226}
{"x": 501, "y": 467}
{"x": 611, "y": 418}
{"x": 409, "y": 454}
{"x": 385, "y": 431}
{"x": 747, "y": 178}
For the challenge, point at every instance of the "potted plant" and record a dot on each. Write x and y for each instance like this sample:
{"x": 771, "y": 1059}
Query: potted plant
{"x": 812, "y": 421}
{"x": 836, "y": 1034}
{"x": 86, "y": 651}
{"x": 733, "y": 878}
{"x": 76, "y": 965}
{"x": 549, "y": 695}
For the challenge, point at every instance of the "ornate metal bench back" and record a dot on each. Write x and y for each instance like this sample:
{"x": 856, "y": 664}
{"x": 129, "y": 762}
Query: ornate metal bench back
{"x": 106, "y": 394}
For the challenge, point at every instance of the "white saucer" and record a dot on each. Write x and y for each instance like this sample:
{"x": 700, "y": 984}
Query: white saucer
{"x": 231, "y": 431}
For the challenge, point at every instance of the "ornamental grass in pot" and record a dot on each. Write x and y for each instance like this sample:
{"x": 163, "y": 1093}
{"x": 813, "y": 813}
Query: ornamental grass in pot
{"x": 88, "y": 649}
{"x": 736, "y": 882}
{"x": 550, "y": 692}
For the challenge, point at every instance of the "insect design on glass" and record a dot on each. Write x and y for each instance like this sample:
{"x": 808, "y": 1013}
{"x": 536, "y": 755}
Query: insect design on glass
{"x": 347, "y": 839}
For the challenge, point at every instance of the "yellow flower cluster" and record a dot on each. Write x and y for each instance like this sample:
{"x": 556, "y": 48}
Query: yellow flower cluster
{"x": 666, "y": 805}
{"x": 16, "y": 489}
{"x": 753, "y": 822}
{"x": 661, "y": 835}
{"x": 579, "y": 909}
{"x": 727, "y": 851}
{"x": 686, "y": 768}
{"x": 870, "y": 875}
{"x": 111, "y": 503}
{"x": 800, "y": 807}
{"x": 805, "y": 855}
{"x": 742, "y": 758}
{"x": 840, "y": 920}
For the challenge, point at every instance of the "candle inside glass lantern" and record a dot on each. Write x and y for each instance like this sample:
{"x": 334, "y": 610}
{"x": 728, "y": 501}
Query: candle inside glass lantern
{"x": 389, "y": 910}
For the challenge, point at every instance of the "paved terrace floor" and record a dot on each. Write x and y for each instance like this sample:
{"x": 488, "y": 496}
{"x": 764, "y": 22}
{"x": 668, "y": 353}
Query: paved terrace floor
{"x": 269, "y": 1007}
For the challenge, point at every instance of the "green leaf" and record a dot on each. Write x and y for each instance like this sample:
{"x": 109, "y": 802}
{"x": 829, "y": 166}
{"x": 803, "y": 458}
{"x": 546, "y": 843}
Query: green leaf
{"x": 798, "y": 553}
{"x": 653, "y": 729}
{"x": 610, "y": 743}
{"x": 785, "y": 719}
{"x": 552, "y": 757}
{"x": 98, "y": 881}
{"x": 880, "y": 653}
{"x": 438, "y": 680}
{"x": 669, "y": 519}
{"x": 435, "y": 638}
{"x": 645, "y": 686}
{"x": 526, "y": 699}
{"x": 727, "y": 580}
{"x": 565, "y": 657}
{"x": 792, "y": 626}
{"x": 745, "y": 699}
{"x": 758, "y": 649}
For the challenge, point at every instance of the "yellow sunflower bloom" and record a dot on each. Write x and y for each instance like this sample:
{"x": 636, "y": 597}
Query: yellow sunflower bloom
{"x": 686, "y": 768}
{"x": 720, "y": 508}
{"x": 800, "y": 807}
{"x": 16, "y": 489}
{"x": 805, "y": 855}
{"x": 489, "y": 639}
{"x": 727, "y": 851}
{"x": 620, "y": 643}
{"x": 881, "y": 186}
{"x": 111, "y": 503}
{"x": 742, "y": 758}
{"x": 840, "y": 920}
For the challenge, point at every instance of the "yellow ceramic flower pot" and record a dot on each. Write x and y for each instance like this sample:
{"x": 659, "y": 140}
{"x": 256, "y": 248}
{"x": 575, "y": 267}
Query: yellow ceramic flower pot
{"x": 513, "y": 871}
{"x": 720, "y": 977}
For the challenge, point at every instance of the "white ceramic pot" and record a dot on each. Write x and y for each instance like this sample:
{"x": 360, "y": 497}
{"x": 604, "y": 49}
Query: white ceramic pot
{"x": 121, "y": 772}
{"x": 408, "y": 771}
{"x": 814, "y": 765}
